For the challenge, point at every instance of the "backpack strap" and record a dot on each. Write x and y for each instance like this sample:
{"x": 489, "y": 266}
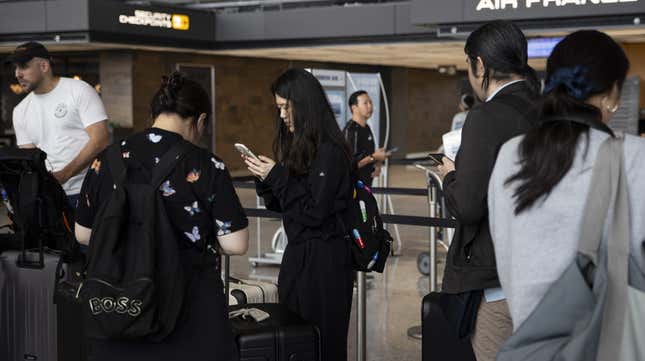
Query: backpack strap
{"x": 168, "y": 162}
{"x": 116, "y": 163}
{"x": 27, "y": 192}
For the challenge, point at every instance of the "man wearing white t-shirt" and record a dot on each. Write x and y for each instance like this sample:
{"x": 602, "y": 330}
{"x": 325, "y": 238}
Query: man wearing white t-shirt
{"x": 62, "y": 116}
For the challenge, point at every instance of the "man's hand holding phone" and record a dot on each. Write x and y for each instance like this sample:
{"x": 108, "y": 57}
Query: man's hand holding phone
{"x": 379, "y": 155}
{"x": 442, "y": 164}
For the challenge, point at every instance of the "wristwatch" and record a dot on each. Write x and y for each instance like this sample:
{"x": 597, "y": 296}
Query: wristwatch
{"x": 372, "y": 160}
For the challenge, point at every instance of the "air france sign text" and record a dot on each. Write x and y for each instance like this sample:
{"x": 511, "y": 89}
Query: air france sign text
{"x": 514, "y": 4}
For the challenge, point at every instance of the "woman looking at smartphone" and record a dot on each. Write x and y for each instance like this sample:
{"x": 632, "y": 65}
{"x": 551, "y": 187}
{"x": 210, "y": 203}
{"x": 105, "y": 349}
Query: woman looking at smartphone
{"x": 310, "y": 185}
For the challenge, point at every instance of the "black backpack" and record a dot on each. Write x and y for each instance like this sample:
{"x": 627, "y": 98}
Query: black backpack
{"x": 371, "y": 243}
{"x": 37, "y": 206}
{"x": 135, "y": 282}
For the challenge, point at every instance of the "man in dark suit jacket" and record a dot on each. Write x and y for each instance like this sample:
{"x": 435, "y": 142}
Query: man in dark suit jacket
{"x": 506, "y": 86}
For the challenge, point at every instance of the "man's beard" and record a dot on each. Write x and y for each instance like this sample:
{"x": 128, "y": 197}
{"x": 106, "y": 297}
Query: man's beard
{"x": 29, "y": 87}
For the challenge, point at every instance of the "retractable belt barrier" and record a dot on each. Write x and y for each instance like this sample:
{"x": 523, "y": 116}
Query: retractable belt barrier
{"x": 241, "y": 182}
{"x": 387, "y": 218}
{"x": 375, "y": 190}
{"x": 407, "y": 161}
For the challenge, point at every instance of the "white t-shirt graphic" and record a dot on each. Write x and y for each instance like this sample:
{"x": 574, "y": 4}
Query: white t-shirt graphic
{"x": 55, "y": 122}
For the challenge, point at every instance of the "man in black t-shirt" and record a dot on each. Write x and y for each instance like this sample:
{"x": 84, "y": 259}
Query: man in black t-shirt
{"x": 361, "y": 140}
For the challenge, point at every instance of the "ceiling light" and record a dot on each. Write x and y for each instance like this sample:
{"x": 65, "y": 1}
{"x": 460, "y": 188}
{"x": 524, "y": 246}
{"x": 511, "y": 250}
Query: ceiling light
{"x": 16, "y": 89}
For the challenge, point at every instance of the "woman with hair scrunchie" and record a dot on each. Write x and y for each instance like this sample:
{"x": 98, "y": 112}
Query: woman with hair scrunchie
{"x": 538, "y": 189}
{"x": 574, "y": 81}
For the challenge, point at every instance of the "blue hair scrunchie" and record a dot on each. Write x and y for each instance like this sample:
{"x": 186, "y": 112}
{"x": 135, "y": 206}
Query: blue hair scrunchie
{"x": 574, "y": 81}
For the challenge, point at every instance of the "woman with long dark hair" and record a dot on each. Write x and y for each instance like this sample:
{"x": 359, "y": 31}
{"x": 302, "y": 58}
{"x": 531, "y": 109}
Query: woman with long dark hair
{"x": 539, "y": 186}
{"x": 201, "y": 205}
{"x": 310, "y": 185}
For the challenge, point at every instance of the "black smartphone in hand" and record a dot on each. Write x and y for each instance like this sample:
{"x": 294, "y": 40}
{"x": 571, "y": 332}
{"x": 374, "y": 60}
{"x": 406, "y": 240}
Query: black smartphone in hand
{"x": 436, "y": 158}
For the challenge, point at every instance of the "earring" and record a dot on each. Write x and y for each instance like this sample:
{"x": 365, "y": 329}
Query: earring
{"x": 613, "y": 109}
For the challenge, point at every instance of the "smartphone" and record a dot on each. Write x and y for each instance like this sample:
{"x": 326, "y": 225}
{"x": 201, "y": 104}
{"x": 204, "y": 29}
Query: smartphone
{"x": 436, "y": 158}
{"x": 392, "y": 150}
{"x": 244, "y": 150}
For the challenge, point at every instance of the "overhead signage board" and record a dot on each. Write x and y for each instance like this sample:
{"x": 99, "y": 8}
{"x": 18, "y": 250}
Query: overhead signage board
{"x": 541, "y": 47}
{"x": 140, "y": 21}
{"x": 470, "y": 11}
{"x": 332, "y": 78}
{"x": 156, "y": 20}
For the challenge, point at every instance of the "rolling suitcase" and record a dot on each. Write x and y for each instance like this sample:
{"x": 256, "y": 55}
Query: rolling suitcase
{"x": 284, "y": 336}
{"x": 32, "y": 325}
{"x": 440, "y": 340}
{"x": 28, "y": 328}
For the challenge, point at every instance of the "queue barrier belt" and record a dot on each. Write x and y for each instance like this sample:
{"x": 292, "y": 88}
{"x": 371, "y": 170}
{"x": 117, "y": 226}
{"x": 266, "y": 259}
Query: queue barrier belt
{"x": 243, "y": 183}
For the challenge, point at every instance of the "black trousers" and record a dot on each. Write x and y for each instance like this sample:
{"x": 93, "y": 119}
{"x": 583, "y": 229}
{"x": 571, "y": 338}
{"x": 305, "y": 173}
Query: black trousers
{"x": 316, "y": 281}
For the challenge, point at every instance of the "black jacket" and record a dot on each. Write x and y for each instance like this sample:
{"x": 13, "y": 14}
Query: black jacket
{"x": 310, "y": 203}
{"x": 316, "y": 277}
{"x": 470, "y": 264}
{"x": 361, "y": 142}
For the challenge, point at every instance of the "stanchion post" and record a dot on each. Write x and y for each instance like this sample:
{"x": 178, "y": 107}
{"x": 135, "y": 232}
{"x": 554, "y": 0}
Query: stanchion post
{"x": 432, "y": 189}
{"x": 258, "y": 227}
{"x": 361, "y": 344}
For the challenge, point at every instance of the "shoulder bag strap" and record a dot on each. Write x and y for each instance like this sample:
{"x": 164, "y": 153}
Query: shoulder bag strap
{"x": 608, "y": 196}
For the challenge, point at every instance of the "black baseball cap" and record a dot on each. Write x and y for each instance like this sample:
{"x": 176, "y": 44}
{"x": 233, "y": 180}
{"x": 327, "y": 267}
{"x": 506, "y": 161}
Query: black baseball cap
{"x": 28, "y": 51}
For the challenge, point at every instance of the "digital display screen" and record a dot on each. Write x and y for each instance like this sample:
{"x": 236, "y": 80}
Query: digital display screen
{"x": 541, "y": 47}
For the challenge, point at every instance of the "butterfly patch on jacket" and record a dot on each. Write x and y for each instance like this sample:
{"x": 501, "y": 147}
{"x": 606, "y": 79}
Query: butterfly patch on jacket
{"x": 96, "y": 166}
{"x": 193, "y": 176}
{"x": 192, "y": 208}
{"x": 194, "y": 235}
{"x": 223, "y": 227}
{"x": 218, "y": 164}
{"x": 155, "y": 138}
{"x": 167, "y": 189}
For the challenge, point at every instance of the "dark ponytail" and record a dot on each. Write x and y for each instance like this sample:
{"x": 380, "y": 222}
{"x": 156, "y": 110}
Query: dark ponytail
{"x": 583, "y": 64}
{"x": 504, "y": 51}
{"x": 182, "y": 96}
{"x": 531, "y": 78}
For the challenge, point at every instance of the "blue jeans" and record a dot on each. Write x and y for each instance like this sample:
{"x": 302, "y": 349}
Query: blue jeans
{"x": 72, "y": 199}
